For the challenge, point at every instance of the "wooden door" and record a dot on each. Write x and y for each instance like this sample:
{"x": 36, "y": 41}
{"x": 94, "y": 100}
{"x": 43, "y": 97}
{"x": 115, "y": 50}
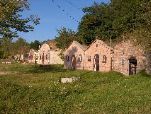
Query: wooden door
{"x": 96, "y": 62}
{"x": 132, "y": 66}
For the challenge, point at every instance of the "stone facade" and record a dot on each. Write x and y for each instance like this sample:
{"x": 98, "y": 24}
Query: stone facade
{"x": 128, "y": 58}
{"x": 74, "y": 56}
{"x": 48, "y": 55}
{"x": 125, "y": 57}
{"x": 33, "y": 56}
{"x": 98, "y": 57}
{"x": 148, "y": 65}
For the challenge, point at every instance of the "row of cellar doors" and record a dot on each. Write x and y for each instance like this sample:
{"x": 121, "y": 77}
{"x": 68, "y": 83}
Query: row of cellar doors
{"x": 96, "y": 64}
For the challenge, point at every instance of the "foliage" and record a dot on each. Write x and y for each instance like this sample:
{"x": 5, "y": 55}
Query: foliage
{"x": 96, "y": 22}
{"x": 31, "y": 89}
{"x": 6, "y": 47}
{"x": 21, "y": 46}
{"x": 11, "y": 20}
{"x": 9, "y": 48}
{"x": 35, "y": 45}
{"x": 65, "y": 37}
{"x": 113, "y": 19}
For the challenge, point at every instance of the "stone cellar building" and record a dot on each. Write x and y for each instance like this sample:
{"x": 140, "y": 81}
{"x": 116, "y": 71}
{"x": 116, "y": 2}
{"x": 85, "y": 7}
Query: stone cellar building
{"x": 125, "y": 57}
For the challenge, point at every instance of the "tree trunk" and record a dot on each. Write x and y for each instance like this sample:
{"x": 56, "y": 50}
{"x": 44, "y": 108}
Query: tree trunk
{"x": 148, "y": 65}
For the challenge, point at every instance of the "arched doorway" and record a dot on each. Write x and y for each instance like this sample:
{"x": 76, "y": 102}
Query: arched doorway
{"x": 73, "y": 62}
{"x": 96, "y": 62}
{"x": 43, "y": 58}
{"x": 132, "y": 65}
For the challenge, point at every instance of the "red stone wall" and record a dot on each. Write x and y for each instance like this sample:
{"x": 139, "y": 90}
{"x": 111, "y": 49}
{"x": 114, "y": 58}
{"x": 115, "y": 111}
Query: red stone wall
{"x": 122, "y": 53}
{"x": 74, "y": 50}
{"x": 120, "y": 58}
{"x": 102, "y": 49}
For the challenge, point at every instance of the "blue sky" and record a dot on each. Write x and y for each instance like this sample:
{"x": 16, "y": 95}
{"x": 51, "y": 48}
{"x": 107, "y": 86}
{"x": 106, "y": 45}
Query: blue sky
{"x": 52, "y": 17}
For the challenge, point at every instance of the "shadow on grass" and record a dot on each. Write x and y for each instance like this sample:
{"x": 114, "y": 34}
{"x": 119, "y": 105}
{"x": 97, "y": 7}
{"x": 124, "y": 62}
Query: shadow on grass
{"x": 54, "y": 69}
{"x": 46, "y": 68}
{"x": 144, "y": 74}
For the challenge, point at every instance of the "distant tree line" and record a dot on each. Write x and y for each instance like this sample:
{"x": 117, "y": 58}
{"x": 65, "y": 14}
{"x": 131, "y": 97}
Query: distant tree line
{"x": 12, "y": 22}
{"x": 112, "y": 20}
{"x": 10, "y": 48}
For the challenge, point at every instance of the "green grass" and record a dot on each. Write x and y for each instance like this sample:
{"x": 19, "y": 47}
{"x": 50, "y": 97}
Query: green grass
{"x": 37, "y": 90}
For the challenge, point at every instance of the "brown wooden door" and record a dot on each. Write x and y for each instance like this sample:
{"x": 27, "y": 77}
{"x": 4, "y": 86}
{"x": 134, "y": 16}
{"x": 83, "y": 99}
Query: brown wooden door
{"x": 73, "y": 60}
{"x": 96, "y": 62}
{"x": 132, "y": 66}
{"x": 43, "y": 58}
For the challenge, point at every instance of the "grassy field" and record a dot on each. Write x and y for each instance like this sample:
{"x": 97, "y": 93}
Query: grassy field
{"x": 34, "y": 90}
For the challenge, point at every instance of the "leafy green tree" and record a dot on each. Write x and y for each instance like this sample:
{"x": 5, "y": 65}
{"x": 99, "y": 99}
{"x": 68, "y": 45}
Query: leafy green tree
{"x": 97, "y": 21}
{"x": 113, "y": 19}
{"x": 6, "y": 47}
{"x": 119, "y": 17}
{"x": 21, "y": 46}
{"x": 35, "y": 45}
{"x": 11, "y": 20}
{"x": 65, "y": 37}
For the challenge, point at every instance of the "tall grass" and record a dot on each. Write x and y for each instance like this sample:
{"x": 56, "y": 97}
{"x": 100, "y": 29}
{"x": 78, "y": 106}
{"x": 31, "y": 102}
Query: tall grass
{"x": 33, "y": 89}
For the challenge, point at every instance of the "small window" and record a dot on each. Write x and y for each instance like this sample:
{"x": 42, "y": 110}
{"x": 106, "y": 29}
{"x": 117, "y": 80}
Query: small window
{"x": 104, "y": 59}
{"x": 89, "y": 58}
{"x": 67, "y": 58}
{"x": 80, "y": 58}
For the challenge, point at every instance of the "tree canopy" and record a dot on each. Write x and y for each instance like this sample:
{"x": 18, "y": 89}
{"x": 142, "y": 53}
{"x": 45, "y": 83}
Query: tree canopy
{"x": 35, "y": 45}
{"x": 11, "y": 19}
{"x": 113, "y": 19}
{"x": 11, "y": 22}
{"x": 65, "y": 37}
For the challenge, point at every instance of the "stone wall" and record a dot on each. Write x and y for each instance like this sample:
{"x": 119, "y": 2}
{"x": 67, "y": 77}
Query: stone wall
{"x": 74, "y": 51}
{"x": 123, "y": 52}
{"x": 104, "y": 51}
{"x": 32, "y": 56}
{"x": 148, "y": 65}
{"x": 47, "y": 56}
{"x": 116, "y": 59}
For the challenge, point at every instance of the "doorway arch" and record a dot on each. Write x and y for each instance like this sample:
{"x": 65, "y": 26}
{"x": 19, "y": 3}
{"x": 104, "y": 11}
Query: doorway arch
{"x": 132, "y": 65}
{"x": 73, "y": 62}
{"x": 43, "y": 58}
{"x": 96, "y": 62}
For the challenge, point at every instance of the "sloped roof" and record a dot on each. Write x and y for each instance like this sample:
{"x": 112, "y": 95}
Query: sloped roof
{"x": 99, "y": 41}
{"x": 83, "y": 47}
{"x": 52, "y": 44}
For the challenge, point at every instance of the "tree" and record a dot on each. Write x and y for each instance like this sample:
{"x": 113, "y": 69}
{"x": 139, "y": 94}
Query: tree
{"x": 97, "y": 21}
{"x": 119, "y": 17}
{"x": 21, "y": 46}
{"x": 113, "y": 19}
{"x": 35, "y": 45}
{"x": 11, "y": 20}
{"x": 6, "y": 47}
{"x": 65, "y": 37}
